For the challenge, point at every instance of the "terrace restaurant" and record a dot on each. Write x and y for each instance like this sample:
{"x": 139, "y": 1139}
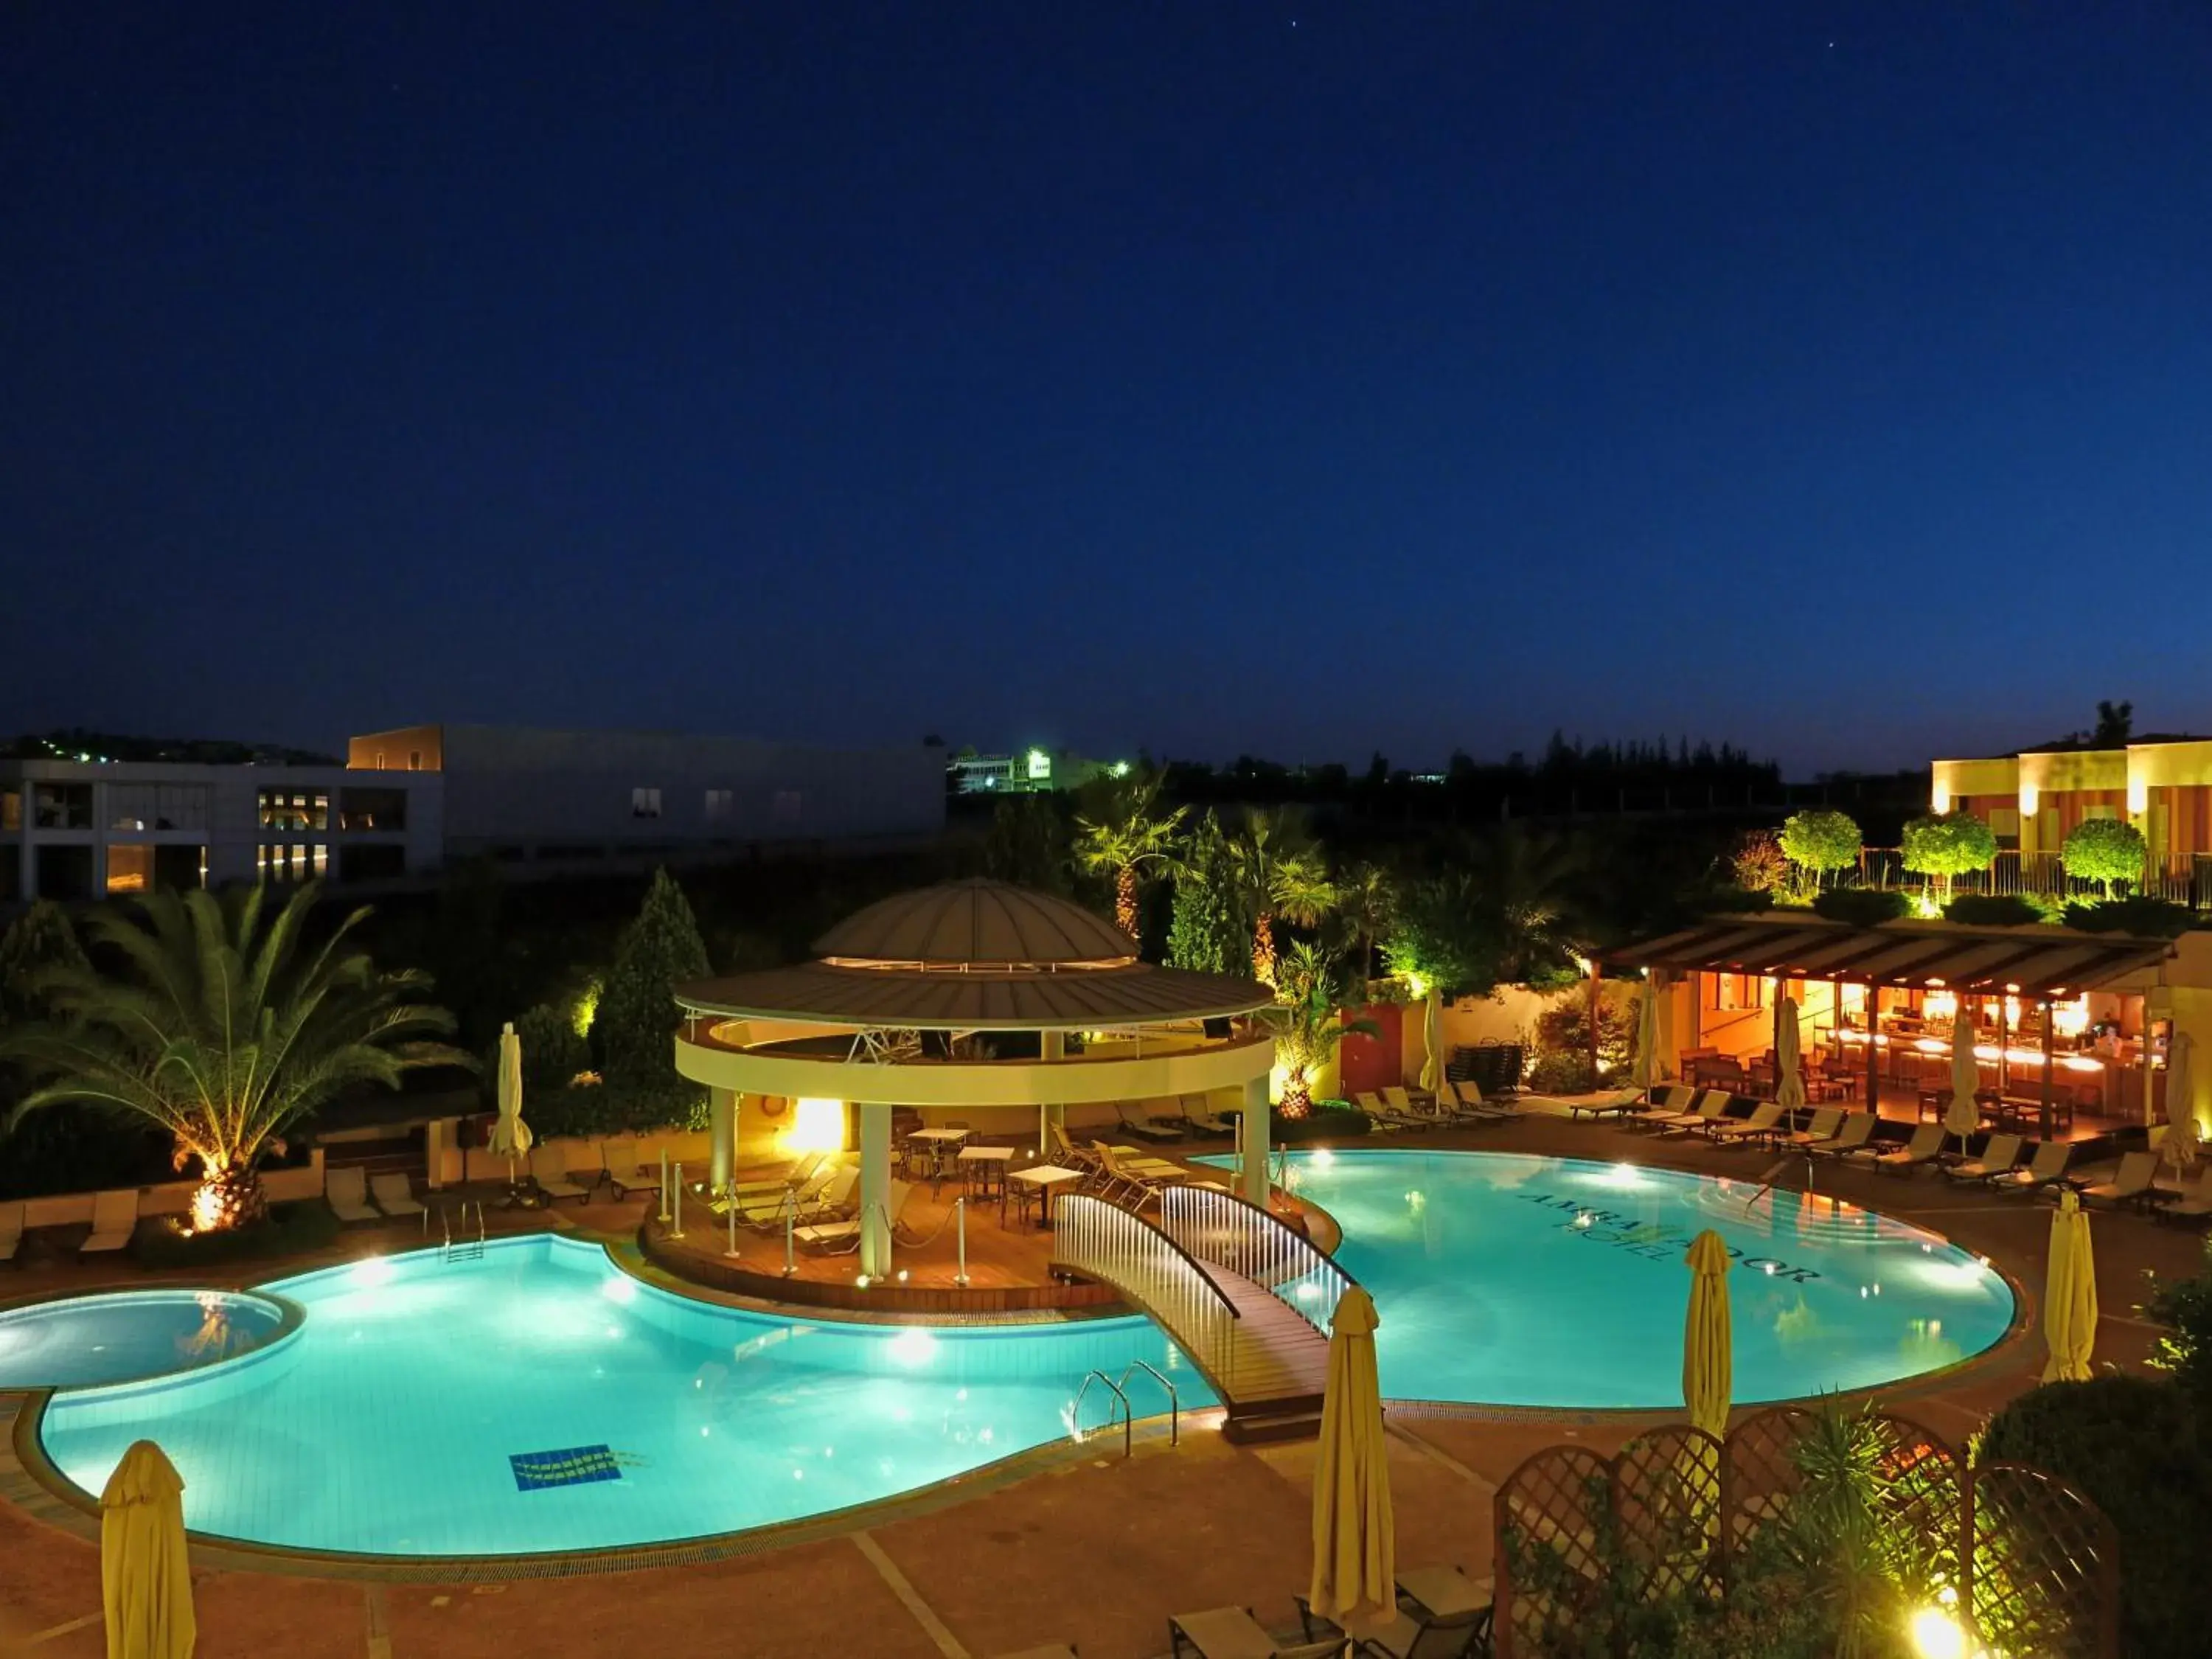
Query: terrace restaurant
{"x": 2071, "y": 1029}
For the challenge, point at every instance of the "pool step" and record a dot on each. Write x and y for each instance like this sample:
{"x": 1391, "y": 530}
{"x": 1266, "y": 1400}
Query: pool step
{"x": 1279, "y": 1419}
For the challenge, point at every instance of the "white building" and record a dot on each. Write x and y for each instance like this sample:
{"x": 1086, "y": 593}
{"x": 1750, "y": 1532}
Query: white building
{"x": 409, "y": 800}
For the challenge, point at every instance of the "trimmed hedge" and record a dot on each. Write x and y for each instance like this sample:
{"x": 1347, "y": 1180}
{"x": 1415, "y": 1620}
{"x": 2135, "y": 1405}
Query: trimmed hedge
{"x": 1860, "y": 907}
{"x": 2147, "y": 918}
{"x": 290, "y": 1229}
{"x": 1992, "y": 910}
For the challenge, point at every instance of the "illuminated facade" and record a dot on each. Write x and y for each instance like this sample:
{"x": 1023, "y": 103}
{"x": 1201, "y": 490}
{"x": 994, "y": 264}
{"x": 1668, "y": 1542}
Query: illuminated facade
{"x": 2033, "y": 799}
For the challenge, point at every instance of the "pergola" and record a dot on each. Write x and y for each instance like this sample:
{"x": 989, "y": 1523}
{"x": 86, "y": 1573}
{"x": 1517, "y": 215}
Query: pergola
{"x": 2043, "y": 965}
{"x": 910, "y": 1002}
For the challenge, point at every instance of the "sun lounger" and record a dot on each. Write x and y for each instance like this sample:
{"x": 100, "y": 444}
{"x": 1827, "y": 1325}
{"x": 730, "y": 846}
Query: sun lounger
{"x": 1621, "y": 1103}
{"x": 1712, "y": 1106}
{"x": 2136, "y": 1172}
{"x": 1234, "y": 1633}
{"x": 1477, "y": 1109}
{"x": 1383, "y": 1113}
{"x": 1853, "y": 1136}
{"x": 11, "y": 1231}
{"x": 1999, "y": 1154}
{"x": 1146, "y": 1128}
{"x": 114, "y": 1219}
{"x": 1826, "y": 1121}
{"x": 1762, "y": 1122}
{"x": 800, "y": 1170}
{"x": 1446, "y": 1635}
{"x": 2196, "y": 1199}
{"x": 346, "y": 1191}
{"x": 821, "y": 1234}
{"x": 1925, "y": 1147}
{"x": 2046, "y": 1169}
{"x": 392, "y": 1195}
{"x": 550, "y": 1172}
{"x": 825, "y": 1196}
{"x": 1204, "y": 1118}
{"x": 1395, "y": 1097}
{"x": 631, "y": 1177}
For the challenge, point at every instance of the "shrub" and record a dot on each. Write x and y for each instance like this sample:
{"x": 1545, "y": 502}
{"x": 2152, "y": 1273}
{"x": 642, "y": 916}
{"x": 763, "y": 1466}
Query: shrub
{"x": 1330, "y": 1120}
{"x": 1821, "y": 841}
{"x": 1562, "y": 1073}
{"x": 1728, "y": 900}
{"x": 1760, "y": 864}
{"x": 2132, "y": 1445}
{"x": 617, "y": 1106}
{"x": 2107, "y": 850}
{"x": 553, "y": 1051}
{"x": 1992, "y": 910}
{"x": 1947, "y": 845}
{"x": 2184, "y": 1306}
{"x": 1564, "y": 1029}
{"x": 287, "y": 1230}
{"x": 2148, "y": 918}
{"x": 1861, "y": 907}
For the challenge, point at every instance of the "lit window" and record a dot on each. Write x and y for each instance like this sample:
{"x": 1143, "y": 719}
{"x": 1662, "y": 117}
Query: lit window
{"x": 379, "y": 761}
{"x": 719, "y": 805}
{"x": 644, "y": 803}
{"x": 414, "y": 760}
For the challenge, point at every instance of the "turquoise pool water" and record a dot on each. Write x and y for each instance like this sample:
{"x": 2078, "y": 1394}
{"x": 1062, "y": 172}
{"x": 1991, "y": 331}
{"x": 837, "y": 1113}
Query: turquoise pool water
{"x": 539, "y": 1399}
{"x": 116, "y": 1339}
{"x": 1543, "y": 1281}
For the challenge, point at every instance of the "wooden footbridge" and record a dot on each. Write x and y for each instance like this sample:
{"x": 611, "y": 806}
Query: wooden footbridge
{"x": 1246, "y": 1297}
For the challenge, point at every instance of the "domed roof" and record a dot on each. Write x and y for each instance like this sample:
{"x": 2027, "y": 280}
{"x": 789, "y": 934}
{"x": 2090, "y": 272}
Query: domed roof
{"x": 975, "y": 924}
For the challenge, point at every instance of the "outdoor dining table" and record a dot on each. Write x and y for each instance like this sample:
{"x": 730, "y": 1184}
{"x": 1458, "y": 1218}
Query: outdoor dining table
{"x": 986, "y": 1164}
{"x": 1047, "y": 1179}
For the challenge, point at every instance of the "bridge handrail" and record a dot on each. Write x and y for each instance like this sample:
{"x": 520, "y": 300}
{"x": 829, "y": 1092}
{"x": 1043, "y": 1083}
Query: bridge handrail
{"x": 1087, "y": 1229}
{"x": 1233, "y": 1232}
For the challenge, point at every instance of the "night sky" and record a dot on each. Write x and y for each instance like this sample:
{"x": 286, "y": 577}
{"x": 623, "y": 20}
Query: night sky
{"x": 1302, "y": 379}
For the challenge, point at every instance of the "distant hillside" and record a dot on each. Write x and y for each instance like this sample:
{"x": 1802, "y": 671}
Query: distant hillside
{"x": 79, "y": 744}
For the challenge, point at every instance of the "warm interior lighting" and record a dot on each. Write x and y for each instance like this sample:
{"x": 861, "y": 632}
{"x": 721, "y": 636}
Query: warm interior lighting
{"x": 1937, "y": 1635}
{"x": 1941, "y": 1004}
{"x": 1939, "y": 799}
{"x": 2031, "y": 796}
{"x": 2070, "y": 1019}
{"x": 817, "y": 1126}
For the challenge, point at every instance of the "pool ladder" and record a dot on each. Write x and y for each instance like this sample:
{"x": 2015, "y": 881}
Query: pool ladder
{"x": 464, "y": 1249}
{"x": 1118, "y": 1411}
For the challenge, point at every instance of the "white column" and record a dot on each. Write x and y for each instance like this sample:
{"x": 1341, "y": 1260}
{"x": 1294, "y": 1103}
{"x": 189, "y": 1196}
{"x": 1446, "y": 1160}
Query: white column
{"x": 1254, "y": 1183}
{"x": 875, "y": 1187}
{"x": 722, "y": 1135}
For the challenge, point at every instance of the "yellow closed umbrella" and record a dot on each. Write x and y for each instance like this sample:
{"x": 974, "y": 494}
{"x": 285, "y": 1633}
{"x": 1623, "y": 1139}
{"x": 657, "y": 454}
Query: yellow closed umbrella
{"x": 1355, "y": 1567}
{"x": 510, "y": 1136}
{"x": 145, "y": 1577}
{"x": 2069, "y": 1295}
{"x": 1708, "y": 1346}
{"x": 1789, "y": 1065}
{"x": 1432, "y": 1042}
{"x": 2181, "y": 1135}
{"x": 1962, "y": 1116}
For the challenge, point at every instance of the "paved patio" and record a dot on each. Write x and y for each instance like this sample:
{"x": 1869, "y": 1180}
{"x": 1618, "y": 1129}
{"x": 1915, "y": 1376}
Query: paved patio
{"x": 1099, "y": 1551}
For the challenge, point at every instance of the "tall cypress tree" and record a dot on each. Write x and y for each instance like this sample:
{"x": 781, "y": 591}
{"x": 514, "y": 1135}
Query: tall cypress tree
{"x": 636, "y": 1015}
{"x": 1205, "y": 931}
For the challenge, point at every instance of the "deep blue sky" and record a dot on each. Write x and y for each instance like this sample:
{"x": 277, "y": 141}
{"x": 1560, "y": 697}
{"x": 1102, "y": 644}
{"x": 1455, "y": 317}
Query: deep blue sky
{"x": 1299, "y": 379}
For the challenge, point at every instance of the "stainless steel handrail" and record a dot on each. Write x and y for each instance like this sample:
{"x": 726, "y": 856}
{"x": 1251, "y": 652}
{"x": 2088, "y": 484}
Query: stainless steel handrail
{"x": 1174, "y": 1399}
{"x": 1075, "y": 1412}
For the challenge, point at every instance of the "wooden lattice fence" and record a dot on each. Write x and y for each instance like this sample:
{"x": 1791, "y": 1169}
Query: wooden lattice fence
{"x": 1584, "y": 1541}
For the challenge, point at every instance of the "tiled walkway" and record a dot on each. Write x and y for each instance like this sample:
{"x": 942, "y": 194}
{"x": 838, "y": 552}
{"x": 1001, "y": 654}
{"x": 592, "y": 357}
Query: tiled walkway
{"x": 1100, "y": 1552}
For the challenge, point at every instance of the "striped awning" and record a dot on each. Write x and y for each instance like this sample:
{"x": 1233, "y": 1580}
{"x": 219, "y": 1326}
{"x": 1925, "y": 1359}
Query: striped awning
{"x": 2027, "y": 964}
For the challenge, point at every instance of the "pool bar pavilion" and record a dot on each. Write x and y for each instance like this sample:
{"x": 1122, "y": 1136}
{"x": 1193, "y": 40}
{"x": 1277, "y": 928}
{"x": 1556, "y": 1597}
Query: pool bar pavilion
{"x": 2071, "y": 1031}
{"x": 974, "y": 1017}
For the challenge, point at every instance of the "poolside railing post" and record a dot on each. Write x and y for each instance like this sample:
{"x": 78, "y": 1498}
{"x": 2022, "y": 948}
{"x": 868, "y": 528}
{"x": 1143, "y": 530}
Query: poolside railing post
{"x": 731, "y": 1249}
{"x": 663, "y": 1186}
{"x": 790, "y": 1219}
{"x": 960, "y": 1218}
{"x": 676, "y": 1227}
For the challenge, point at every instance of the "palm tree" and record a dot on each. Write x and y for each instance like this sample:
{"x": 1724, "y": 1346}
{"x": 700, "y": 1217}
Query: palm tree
{"x": 1367, "y": 902}
{"x": 1526, "y": 887}
{"x": 1307, "y": 1021}
{"x": 221, "y": 1026}
{"x": 1277, "y": 873}
{"x": 1128, "y": 838}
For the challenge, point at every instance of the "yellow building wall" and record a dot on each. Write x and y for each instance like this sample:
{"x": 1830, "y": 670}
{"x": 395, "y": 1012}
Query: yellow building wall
{"x": 1952, "y": 780}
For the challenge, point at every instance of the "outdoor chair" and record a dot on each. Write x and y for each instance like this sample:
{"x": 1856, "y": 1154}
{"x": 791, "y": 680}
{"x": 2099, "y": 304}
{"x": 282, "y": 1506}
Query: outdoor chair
{"x": 2132, "y": 1184}
{"x": 549, "y": 1172}
{"x": 1468, "y": 1093}
{"x": 1855, "y": 1135}
{"x": 800, "y": 1169}
{"x": 11, "y": 1230}
{"x": 393, "y": 1195}
{"x": 1452, "y": 1107}
{"x": 1826, "y": 1121}
{"x": 1733, "y": 1132}
{"x": 1926, "y": 1147}
{"x": 1416, "y": 1636}
{"x": 1134, "y": 1179}
{"x": 346, "y": 1191}
{"x": 1623, "y": 1102}
{"x": 820, "y": 1235}
{"x": 114, "y": 1219}
{"x": 1148, "y": 1128}
{"x": 1234, "y": 1633}
{"x": 1396, "y": 1097}
{"x": 2046, "y": 1169}
{"x": 1373, "y": 1105}
{"x": 1999, "y": 1154}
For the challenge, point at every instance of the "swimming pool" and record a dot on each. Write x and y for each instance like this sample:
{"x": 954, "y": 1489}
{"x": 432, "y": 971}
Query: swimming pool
{"x": 134, "y": 1334}
{"x": 1544, "y": 1281}
{"x": 539, "y": 1399}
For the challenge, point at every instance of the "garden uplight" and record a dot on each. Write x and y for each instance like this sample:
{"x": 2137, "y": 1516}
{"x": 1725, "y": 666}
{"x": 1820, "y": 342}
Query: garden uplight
{"x": 1937, "y": 1635}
